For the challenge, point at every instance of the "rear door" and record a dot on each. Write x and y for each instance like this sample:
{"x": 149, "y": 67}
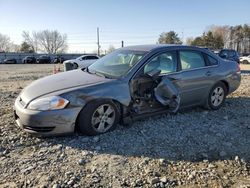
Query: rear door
{"x": 196, "y": 77}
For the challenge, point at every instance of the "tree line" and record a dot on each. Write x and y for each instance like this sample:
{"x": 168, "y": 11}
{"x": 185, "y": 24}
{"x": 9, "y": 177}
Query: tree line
{"x": 216, "y": 37}
{"x": 47, "y": 41}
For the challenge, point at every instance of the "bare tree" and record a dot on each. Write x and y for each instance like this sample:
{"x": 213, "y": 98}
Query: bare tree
{"x": 46, "y": 41}
{"x": 111, "y": 49}
{"x": 5, "y": 43}
{"x": 52, "y": 41}
{"x": 14, "y": 47}
{"x": 189, "y": 40}
{"x": 31, "y": 40}
{"x": 220, "y": 31}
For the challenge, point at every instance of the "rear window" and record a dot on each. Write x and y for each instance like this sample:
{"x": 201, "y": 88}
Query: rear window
{"x": 211, "y": 61}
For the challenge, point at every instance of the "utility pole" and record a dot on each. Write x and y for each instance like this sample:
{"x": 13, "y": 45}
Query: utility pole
{"x": 98, "y": 42}
{"x": 122, "y": 44}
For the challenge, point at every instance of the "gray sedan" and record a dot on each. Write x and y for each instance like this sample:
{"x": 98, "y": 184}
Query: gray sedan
{"x": 126, "y": 85}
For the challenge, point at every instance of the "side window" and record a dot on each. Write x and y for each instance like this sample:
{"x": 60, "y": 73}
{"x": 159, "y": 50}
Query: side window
{"x": 91, "y": 57}
{"x": 84, "y": 58}
{"x": 191, "y": 60}
{"x": 88, "y": 57}
{"x": 211, "y": 60}
{"x": 165, "y": 62}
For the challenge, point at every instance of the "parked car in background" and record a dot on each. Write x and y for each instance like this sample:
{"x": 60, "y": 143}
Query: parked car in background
{"x": 29, "y": 59}
{"x": 80, "y": 62}
{"x": 245, "y": 59}
{"x": 245, "y": 54}
{"x": 128, "y": 84}
{"x": 10, "y": 61}
{"x": 58, "y": 60}
{"x": 216, "y": 52}
{"x": 43, "y": 59}
{"x": 230, "y": 55}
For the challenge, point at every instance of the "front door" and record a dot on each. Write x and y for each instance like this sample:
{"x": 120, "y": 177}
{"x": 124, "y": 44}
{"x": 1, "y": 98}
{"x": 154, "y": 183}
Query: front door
{"x": 148, "y": 90}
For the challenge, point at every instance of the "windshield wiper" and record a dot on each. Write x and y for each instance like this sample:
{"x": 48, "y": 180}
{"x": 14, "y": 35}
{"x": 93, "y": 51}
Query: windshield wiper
{"x": 97, "y": 73}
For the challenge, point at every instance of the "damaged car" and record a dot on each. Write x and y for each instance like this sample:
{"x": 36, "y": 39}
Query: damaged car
{"x": 129, "y": 84}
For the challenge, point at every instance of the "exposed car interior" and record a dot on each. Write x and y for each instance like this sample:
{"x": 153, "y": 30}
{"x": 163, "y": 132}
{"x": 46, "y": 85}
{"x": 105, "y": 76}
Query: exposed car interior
{"x": 164, "y": 63}
{"x": 191, "y": 60}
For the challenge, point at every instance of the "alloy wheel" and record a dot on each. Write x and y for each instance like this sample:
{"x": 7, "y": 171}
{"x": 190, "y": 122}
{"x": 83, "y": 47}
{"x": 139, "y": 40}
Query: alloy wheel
{"x": 103, "y": 118}
{"x": 217, "y": 96}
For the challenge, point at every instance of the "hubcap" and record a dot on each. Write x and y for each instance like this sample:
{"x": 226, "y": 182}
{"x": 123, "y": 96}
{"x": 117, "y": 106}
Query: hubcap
{"x": 103, "y": 118}
{"x": 217, "y": 96}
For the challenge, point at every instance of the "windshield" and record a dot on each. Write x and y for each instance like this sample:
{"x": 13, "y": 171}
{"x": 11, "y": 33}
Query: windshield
{"x": 116, "y": 64}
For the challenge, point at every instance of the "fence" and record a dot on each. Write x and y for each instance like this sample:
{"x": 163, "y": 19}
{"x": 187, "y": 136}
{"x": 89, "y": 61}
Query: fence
{"x": 19, "y": 56}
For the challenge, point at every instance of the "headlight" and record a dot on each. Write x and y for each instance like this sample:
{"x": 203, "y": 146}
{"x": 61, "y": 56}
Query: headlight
{"x": 48, "y": 103}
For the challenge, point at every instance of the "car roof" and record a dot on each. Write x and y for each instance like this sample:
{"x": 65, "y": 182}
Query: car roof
{"x": 152, "y": 47}
{"x": 83, "y": 55}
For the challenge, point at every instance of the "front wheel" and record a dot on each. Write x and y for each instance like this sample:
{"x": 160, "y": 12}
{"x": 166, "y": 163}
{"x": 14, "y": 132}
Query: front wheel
{"x": 98, "y": 117}
{"x": 75, "y": 66}
{"x": 216, "y": 96}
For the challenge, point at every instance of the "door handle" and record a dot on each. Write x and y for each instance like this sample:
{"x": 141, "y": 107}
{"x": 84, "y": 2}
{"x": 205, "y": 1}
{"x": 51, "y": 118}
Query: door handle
{"x": 208, "y": 73}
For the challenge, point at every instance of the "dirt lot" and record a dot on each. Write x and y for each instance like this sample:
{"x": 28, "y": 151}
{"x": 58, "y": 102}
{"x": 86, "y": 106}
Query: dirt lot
{"x": 195, "y": 148}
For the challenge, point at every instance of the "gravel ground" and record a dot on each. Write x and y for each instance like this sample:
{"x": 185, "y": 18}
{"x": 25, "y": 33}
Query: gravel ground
{"x": 194, "y": 148}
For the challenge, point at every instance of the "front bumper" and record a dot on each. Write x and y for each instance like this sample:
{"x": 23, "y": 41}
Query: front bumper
{"x": 46, "y": 123}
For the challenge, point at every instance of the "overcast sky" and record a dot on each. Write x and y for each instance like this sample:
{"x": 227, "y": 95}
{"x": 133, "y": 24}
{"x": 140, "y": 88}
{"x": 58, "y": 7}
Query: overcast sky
{"x": 134, "y": 21}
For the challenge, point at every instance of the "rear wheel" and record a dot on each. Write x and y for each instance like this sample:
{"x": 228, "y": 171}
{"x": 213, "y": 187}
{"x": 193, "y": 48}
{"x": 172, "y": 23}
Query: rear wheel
{"x": 216, "y": 96}
{"x": 75, "y": 66}
{"x": 98, "y": 117}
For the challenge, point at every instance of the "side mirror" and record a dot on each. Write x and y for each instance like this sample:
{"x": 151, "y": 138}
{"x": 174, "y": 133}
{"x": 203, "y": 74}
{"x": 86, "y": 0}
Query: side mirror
{"x": 153, "y": 73}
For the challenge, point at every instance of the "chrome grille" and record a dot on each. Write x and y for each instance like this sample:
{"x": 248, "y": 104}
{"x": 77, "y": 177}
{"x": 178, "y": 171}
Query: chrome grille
{"x": 68, "y": 66}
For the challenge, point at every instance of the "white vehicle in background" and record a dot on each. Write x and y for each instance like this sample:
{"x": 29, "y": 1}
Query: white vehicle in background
{"x": 80, "y": 62}
{"x": 245, "y": 59}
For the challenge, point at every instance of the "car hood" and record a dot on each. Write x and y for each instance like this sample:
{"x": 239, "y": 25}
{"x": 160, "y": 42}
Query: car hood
{"x": 58, "y": 82}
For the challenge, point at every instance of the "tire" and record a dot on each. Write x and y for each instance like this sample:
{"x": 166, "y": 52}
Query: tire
{"x": 245, "y": 62}
{"x": 98, "y": 117}
{"x": 216, "y": 96}
{"x": 75, "y": 66}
